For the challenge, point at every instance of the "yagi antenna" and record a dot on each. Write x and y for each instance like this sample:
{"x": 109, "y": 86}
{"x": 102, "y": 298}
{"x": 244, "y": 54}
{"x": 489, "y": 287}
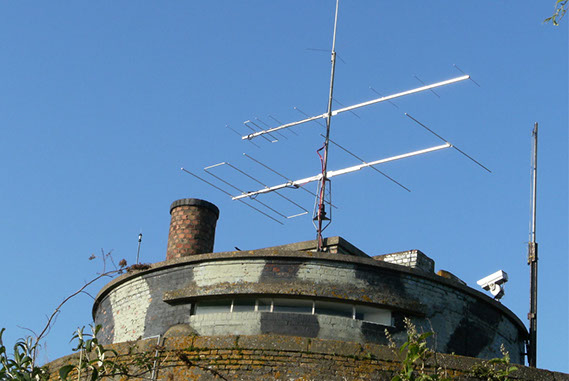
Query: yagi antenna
{"x": 343, "y": 105}
{"x": 283, "y": 176}
{"x": 260, "y": 129}
{"x": 364, "y": 162}
{"x": 229, "y": 194}
{"x": 432, "y": 91}
{"x": 250, "y": 141}
{"x": 247, "y": 124}
{"x": 356, "y": 106}
{"x": 343, "y": 171}
{"x": 207, "y": 170}
{"x": 304, "y": 211}
{"x": 459, "y": 69}
{"x": 444, "y": 140}
{"x": 279, "y": 122}
{"x": 378, "y": 93}
{"x": 266, "y": 125}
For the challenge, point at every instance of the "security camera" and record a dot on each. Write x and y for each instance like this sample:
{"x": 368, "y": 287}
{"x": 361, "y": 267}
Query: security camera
{"x": 494, "y": 283}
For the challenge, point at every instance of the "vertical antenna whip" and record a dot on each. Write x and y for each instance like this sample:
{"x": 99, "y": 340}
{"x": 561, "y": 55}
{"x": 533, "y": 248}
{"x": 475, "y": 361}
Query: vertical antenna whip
{"x": 138, "y": 251}
{"x": 532, "y": 259}
{"x": 320, "y": 211}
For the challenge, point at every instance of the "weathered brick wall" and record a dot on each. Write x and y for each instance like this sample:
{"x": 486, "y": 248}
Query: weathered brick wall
{"x": 412, "y": 258}
{"x": 135, "y": 309}
{"x": 148, "y": 303}
{"x": 274, "y": 357}
{"x": 312, "y": 326}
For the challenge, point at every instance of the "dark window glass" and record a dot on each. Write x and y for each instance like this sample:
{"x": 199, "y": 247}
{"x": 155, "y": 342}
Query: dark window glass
{"x": 334, "y": 309}
{"x": 213, "y": 306}
{"x": 298, "y": 306}
{"x": 243, "y": 305}
{"x": 373, "y": 314}
{"x": 264, "y": 305}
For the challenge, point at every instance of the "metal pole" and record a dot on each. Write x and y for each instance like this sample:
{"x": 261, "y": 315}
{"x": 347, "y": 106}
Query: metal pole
{"x": 138, "y": 251}
{"x": 532, "y": 260}
{"x": 320, "y": 212}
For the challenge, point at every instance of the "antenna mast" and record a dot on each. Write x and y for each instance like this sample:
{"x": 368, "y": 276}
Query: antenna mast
{"x": 532, "y": 259}
{"x": 320, "y": 212}
{"x": 321, "y": 218}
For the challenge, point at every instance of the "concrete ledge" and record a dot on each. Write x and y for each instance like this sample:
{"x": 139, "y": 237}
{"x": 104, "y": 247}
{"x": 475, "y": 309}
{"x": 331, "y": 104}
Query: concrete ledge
{"x": 299, "y": 289}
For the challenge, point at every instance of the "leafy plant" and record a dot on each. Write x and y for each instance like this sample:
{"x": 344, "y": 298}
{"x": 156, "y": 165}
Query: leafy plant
{"x": 95, "y": 362}
{"x": 413, "y": 355}
{"x": 560, "y": 10}
{"x": 21, "y": 365}
{"x": 497, "y": 369}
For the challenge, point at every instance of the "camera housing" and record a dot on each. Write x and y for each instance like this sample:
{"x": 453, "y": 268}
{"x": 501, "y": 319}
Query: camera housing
{"x": 494, "y": 283}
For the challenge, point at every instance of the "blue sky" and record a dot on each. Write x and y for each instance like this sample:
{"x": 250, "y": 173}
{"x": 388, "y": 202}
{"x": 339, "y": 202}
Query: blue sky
{"x": 102, "y": 103}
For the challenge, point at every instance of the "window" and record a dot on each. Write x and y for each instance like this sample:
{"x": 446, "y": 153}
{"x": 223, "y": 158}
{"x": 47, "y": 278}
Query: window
{"x": 299, "y": 306}
{"x": 294, "y": 305}
{"x": 265, "y": 305}
{"x": 373, "y": 314}
{"x": 243, "y": 305}
{"x": 334, "y": 309}
{"x": 213, "y": 306}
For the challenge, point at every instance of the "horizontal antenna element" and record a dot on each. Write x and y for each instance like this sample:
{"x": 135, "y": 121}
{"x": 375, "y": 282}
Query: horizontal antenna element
{"x": 229, "y": 194}
{"x": 356, "y": 106}
{"x": 330, "y": 174}
{"x": 284, "y": 177}
{"x": 459, "y": 69}
{"x": 432, "y": 91}
{"x": 378, "y": 93}
{"x": 364, "y": 162}
{"x": 444, "y": 140}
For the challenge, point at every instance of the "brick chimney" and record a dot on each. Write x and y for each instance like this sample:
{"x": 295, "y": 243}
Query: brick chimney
{"x": 192, "y": 228}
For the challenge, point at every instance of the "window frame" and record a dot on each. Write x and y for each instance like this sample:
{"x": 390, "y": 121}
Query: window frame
{"x": 271, "y": 304}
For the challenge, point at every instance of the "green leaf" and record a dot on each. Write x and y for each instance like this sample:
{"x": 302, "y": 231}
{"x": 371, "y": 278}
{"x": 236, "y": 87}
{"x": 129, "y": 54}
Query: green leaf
{"x": 94, "y": 375}
{"x": 64, "y": 371}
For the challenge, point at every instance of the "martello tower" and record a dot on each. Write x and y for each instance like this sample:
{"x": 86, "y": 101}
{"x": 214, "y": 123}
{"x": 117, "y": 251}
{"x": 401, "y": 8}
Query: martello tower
{"x": 292, "y": 300}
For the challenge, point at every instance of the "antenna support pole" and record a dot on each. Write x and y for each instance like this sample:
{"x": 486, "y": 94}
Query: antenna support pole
{"x": 532, "y": 260}
{"x": 138, "y": 250}
{"x": 321, "y": 205}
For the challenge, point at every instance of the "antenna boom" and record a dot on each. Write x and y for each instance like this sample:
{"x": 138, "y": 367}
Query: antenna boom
{"x": 330, "y": 174}
{"x": 359, "y": 105}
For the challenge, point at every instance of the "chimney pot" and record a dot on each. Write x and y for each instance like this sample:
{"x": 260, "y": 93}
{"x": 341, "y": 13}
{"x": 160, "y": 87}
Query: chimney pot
{"x": 192, "y": 227}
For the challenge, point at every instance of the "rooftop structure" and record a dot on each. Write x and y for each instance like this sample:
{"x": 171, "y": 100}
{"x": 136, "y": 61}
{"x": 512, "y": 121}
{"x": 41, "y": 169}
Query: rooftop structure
{"x": 340, "y": 294}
